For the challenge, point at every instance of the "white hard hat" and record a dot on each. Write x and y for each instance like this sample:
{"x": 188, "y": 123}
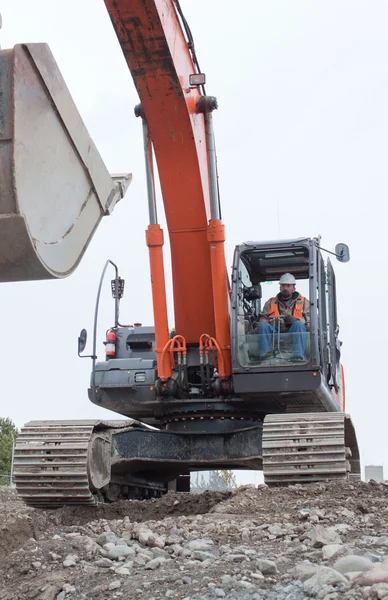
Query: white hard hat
{"x": 287, "y": 278}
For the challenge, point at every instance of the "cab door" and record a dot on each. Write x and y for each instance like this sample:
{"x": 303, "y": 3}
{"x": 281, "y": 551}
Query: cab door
{"x": 334, "y": 342}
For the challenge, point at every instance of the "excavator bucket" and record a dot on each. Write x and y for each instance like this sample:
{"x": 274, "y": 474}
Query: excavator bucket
{"x": 54, "y": 186}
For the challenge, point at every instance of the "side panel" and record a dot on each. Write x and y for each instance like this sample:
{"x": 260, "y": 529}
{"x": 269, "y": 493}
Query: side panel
{"x": 158, "y": 58}
{"x": 337, "y": 374}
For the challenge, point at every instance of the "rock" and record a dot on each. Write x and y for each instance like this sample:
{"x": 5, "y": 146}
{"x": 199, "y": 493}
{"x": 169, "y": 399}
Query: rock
{"x": 143, "y": 535}
{"x": 305, "y": 570}
{"x": 304, "y": 514}
{"x": 91, "y": 547}
{"x": 173, "y": 539}
{"x": 104, "y": 563}
{"x": 318, "y": 512}
{"x": 122, "y": 571}
{"x": 55, "y": 556}
{"x": 128, "y": 564}
{"x": 200, "y": 544}
{"x": 353, "y": 575}
{"x": 276, "y": 530}
{"x": 246, "y": 585}
{"x": 186, "y": 579}
{"x": 322, "y": 536}
{"x": 36, "y": 564}
{"x": 342, "y": 527}
{"x": 122, "y": 541}
{"x": 176, "y": 549}
{"x": 160, "y": 552}
{"x": 115, "y": 585}
{"x": 69, "y": 563}
{"x": 155, "y": 541}
{"x": 379, "y": 590}
{"x": 349, "y": 563}
{"x": 202, "y": 555}
{"x": 108, "y": 537}
{"x": 146, "y": 554}
{"x": 324, "y": 576}
{"x": 245, "y": 535}
{"x": 267, "y": 567}
{"x": 378, "y": 574}
{"x": 330, "y": 549}
{"x": 97, "y": 589}
{"x": 375, "y": 558}
{"x": 74, "y": 557}
{"x": 108, "y": 546}
{"x": 251, "y": 552}
{"x": 118, "y": 551}
{"x": 219, "y": 593}
{"x": 258, "y": 576}
{"x": 155, "y": 563}
{"x": 50, "y": 592}
{"x": 237, "y": 558}
{"x": 145, "y": 557}
{"x": 61, "y": 596}
{"x": 73, "y": 535}
{"x": 170, "y": 593}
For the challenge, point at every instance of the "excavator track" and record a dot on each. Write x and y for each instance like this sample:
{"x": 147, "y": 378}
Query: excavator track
{"x": 303, "y": 448}
{"x": 53, "y": 460}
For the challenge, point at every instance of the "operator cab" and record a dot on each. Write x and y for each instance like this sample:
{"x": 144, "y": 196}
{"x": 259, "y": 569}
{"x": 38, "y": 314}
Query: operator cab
{"x": 269, "y": 345}
{"x": 270, "y": 351}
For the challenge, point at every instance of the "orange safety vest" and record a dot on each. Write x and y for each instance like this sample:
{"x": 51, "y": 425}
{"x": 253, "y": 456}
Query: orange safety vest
{"x": 297, "y": 312}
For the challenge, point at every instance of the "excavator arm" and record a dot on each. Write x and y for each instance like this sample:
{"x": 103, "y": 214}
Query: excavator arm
{"x": 178, "y": 122}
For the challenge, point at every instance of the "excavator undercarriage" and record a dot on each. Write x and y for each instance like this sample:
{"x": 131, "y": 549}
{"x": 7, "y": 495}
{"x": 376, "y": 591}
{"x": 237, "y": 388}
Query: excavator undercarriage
{"x": 58, "y": 463}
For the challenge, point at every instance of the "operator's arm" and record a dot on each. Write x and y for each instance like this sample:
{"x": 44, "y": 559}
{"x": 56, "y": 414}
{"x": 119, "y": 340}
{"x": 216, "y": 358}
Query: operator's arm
{"x": 265, "y": 311}
{"x": 306, "y": 313}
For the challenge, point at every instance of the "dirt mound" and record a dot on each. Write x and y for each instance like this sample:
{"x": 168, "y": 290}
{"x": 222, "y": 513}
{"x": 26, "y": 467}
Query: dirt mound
{"x": 254, "y": 542}
{"x": 141, "y": 510}
{"x": 361, "y": 497}
{"x": 18, "y": 523}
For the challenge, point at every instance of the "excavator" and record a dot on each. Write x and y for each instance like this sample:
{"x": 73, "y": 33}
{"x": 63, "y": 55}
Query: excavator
{"x": 201, "y": 396}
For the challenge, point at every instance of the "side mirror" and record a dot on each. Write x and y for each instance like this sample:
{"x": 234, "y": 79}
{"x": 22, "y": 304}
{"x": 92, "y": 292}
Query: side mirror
{"x": 342, "y": 253}
{"x": 83, "y": 336}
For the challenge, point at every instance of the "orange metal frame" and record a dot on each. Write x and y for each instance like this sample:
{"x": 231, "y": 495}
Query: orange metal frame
{"x": 157, "y": 54}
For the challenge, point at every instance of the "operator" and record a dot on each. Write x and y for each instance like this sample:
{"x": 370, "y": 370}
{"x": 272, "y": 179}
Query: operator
{"x": 294, "y": 312}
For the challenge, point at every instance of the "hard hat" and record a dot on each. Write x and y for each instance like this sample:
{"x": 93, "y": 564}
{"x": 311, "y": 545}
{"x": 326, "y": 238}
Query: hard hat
{"x": 287, "y": 278}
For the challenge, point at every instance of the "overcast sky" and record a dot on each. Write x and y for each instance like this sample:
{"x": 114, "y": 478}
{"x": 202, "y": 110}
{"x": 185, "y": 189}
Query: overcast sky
{"x": 302, "y": 123}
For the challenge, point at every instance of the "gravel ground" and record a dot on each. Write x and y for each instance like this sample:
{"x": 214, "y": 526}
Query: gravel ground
{"x": 327, "y": 541}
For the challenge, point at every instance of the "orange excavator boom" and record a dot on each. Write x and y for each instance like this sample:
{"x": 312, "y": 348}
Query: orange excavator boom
{"x": 179, "y": 121}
